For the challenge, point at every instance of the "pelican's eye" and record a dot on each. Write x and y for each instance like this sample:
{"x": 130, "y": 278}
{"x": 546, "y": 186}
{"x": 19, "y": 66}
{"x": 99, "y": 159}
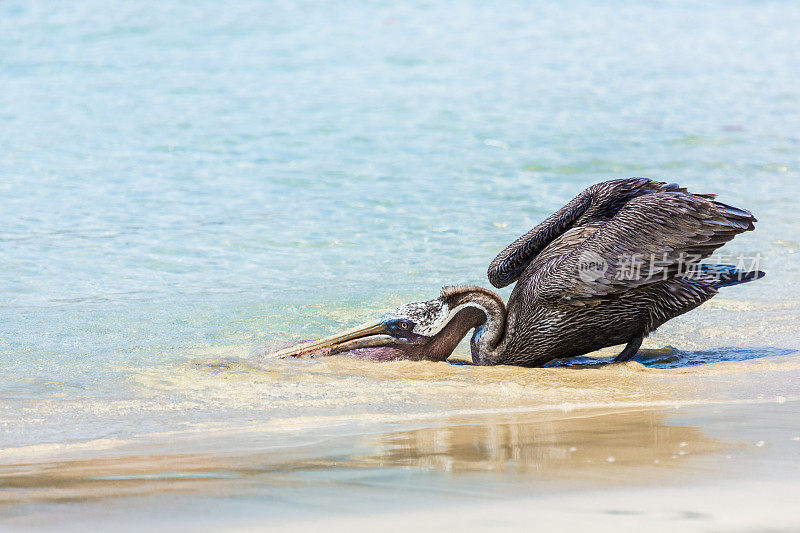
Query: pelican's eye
{"x": 401, "y": 326}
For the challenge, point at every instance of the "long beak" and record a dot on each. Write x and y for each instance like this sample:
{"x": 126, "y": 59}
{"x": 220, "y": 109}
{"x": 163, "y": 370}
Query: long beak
{"x": 341, "y": 341}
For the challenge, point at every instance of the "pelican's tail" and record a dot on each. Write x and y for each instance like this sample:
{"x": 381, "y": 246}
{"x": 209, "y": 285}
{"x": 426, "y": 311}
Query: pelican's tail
{"x": 728, "y": 275}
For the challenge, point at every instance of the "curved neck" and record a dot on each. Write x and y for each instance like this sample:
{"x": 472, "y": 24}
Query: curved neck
{"x": 479, "y": 309}
{"x": 458, "y": 325}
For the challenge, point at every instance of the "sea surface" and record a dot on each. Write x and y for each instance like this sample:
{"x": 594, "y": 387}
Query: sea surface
{"x": 186, "y": 184}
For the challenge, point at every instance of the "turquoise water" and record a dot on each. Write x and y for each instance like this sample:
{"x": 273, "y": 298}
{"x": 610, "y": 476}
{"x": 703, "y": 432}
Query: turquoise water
{"x": 184, "y": 180}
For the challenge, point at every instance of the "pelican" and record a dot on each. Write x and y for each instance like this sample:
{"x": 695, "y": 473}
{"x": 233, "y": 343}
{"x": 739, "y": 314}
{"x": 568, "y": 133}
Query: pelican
{"x": 610, "y": 267}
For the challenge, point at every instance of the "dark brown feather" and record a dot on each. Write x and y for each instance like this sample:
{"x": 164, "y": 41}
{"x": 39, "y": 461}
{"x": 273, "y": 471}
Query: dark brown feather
{"x": 554, "y": 311}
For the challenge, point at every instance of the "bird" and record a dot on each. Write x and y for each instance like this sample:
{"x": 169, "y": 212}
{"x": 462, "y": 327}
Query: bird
{"x": 610, "y": 267}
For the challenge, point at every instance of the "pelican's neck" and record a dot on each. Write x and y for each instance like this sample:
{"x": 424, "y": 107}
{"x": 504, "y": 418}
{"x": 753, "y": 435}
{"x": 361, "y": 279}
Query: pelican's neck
{"x": 487, "y": 340}
{"x": 484, "y": 311}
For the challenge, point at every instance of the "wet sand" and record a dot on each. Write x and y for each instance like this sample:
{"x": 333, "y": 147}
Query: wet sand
{"x": 726, "y": 465}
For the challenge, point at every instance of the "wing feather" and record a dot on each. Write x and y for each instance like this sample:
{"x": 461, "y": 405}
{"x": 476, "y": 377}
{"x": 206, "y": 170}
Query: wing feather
{"x": 597, "y": 204}
{"x": 651, "y": 238}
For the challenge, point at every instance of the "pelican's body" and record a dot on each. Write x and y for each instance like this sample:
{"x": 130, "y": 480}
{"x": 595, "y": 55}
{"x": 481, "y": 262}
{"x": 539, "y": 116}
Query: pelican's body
{"x": 608, "y": 268}
{"x": 646, "y": 239}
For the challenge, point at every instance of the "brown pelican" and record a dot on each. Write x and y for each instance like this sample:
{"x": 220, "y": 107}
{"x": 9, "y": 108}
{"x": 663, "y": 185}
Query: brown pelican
{"x": 608, "y": 268}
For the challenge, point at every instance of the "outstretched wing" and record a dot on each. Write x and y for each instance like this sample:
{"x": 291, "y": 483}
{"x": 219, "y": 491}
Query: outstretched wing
{"x": 599, "y": 203}
{"x": 651, "y": 238}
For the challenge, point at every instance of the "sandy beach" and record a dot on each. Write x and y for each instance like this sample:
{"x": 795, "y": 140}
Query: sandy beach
{"x": 696, "y": 450}
{"x": 684, "y": 468}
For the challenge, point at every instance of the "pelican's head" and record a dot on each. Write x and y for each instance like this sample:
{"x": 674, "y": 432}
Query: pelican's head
{"x": 428, "y": 330}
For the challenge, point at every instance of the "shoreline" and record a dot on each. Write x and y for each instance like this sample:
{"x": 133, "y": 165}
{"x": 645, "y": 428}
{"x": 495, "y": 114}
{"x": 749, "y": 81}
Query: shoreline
{"x": 469, "y": 464}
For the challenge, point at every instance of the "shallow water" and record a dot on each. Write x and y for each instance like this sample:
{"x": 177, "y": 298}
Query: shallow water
{"x": 182, "y": 182}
